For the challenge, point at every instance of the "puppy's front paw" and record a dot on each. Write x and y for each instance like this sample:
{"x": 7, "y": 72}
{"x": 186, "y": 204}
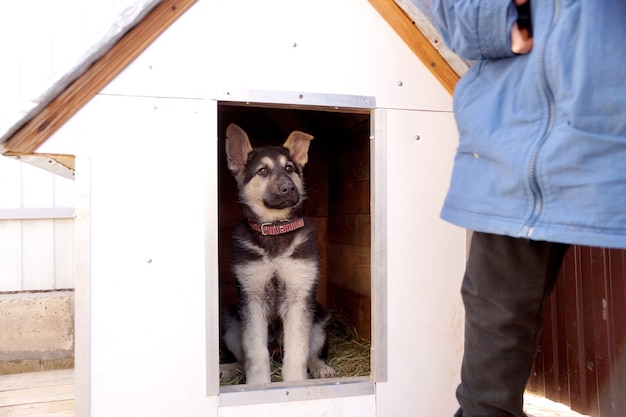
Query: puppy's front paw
{"x": 321, "y": 370}
{"x": 230, "y": 370}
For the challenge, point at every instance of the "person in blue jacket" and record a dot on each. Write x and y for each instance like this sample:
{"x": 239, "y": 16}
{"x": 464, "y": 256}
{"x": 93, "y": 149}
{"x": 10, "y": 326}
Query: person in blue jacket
{"x": 541, "y": 164}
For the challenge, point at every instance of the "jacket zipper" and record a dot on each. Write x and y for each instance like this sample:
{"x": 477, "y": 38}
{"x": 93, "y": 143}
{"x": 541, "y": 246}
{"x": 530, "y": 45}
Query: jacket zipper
{"x": 528, "y": 228}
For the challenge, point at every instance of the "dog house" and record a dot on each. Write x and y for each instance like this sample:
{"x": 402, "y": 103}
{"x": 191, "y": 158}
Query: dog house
{"x": 155, "y": 205}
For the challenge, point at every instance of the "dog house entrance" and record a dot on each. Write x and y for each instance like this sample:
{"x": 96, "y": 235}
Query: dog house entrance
{"x": 338, "y": 184}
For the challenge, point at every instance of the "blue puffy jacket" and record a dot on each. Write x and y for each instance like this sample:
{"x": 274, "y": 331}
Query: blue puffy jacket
{"x": 542, "y": 152}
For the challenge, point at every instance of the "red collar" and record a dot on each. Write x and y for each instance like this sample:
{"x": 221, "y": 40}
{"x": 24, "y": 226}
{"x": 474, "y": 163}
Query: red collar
{"x": 277, "y": 228}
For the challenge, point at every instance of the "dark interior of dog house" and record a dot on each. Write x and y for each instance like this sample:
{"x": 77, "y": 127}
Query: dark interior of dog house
{"x": 337, "y": 178}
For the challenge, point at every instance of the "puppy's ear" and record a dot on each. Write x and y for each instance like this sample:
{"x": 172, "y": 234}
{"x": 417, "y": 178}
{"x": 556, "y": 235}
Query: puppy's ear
{"x": 298, "y": 145}
{"x": 237, "y": 148}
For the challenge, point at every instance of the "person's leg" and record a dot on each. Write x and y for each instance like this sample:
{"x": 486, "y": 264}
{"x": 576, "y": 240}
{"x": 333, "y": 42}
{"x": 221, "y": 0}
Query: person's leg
{"x": 504, "y": 288}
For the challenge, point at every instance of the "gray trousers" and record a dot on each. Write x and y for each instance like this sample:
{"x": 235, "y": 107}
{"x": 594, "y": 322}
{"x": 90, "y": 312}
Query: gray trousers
{"x": 505, "y": 284}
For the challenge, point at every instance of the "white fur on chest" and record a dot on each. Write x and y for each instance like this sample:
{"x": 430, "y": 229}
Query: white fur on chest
{"x": 297, "y": 275}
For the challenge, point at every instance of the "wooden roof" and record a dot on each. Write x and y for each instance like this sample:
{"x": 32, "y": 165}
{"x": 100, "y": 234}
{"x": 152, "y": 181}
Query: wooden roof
{"x": 28, "y": 137}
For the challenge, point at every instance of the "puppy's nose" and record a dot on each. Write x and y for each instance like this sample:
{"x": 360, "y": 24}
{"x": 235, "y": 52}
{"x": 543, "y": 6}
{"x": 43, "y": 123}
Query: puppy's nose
{"x": 286, "y": 188}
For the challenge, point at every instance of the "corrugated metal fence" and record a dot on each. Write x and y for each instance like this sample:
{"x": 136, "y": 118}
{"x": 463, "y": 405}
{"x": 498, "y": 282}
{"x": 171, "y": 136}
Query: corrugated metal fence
{"x": 36, "y": 228}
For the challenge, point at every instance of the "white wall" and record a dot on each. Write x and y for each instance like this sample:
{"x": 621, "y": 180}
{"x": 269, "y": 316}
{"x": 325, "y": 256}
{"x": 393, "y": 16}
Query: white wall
{"x": 425, "y": 259}
{"x": 147, "y": 332}
{"x": 150, "y": 190}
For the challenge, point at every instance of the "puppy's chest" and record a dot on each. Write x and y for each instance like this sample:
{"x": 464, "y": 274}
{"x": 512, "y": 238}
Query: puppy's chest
{"x": 272, "y": 270}
{"x": 259, "y": 269}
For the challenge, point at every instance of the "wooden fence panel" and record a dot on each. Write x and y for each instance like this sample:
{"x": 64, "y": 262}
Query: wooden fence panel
{"x": 36, "y": 228}
{"x": 10, "y": 255}
{"x": 581, "y": 359}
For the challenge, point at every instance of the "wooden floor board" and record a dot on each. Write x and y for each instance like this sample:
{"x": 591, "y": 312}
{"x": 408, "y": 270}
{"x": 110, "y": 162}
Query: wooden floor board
{"x": 50, "y": 409}
{"x": 37, "y": 395}
{"x": 44, "y": 394}
{"x": 36, "y": 379}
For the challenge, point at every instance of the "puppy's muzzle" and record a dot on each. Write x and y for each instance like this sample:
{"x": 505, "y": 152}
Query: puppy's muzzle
{"x": 282, "y": 194}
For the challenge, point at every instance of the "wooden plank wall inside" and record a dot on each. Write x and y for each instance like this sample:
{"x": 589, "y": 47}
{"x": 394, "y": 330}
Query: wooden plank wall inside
{"x": 581, "y": 359}
{"x": 349, "y": 229}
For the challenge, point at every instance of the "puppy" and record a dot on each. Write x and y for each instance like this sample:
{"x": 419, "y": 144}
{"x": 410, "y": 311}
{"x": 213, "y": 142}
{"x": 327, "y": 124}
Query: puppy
{"x": 275, "y": 263}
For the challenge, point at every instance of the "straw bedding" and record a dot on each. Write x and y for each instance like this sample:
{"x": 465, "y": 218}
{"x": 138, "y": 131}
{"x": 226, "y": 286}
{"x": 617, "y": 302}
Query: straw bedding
{"x": 348, "y": 353}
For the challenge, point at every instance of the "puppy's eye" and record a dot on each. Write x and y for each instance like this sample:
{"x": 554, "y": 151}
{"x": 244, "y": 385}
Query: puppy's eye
{"x": 264, "y": 172}
{"x": 289, "y": 168}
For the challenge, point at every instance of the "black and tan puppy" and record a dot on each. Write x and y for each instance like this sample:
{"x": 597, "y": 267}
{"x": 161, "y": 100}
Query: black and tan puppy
{"x": 276, "y": 264}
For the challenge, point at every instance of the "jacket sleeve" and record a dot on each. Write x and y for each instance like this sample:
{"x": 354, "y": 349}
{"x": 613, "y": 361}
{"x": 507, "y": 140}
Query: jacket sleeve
{"x": 476, "y": 29}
